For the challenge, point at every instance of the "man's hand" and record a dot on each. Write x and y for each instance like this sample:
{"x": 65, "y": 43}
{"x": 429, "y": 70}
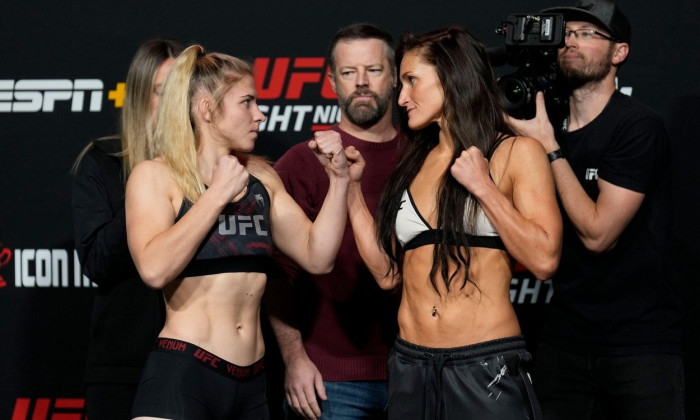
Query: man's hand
{"x": 302, "y": 383}
{"x": 539, "y": 128}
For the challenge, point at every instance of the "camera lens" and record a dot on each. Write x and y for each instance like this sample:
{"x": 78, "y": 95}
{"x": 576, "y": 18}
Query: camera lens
{"x": 514, "y": 92}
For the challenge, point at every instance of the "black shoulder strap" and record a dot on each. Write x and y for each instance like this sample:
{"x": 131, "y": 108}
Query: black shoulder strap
{"x": 495, "y": 145}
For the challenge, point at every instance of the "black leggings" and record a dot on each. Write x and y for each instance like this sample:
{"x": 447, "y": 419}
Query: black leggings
{"x": 181, "y": 381}
{"x": 482, "y": 381}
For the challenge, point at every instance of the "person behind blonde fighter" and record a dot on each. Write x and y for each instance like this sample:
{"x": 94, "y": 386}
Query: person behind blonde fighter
{"x": 201, "y": 221}
{"x": 126, "y": 315}
{"x": 465, "y": 201}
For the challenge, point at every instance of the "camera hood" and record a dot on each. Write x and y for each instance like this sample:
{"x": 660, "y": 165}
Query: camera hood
{"x": 603, "y": 13}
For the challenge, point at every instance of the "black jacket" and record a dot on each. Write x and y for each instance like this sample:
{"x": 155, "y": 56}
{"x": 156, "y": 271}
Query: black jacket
{"x": 127, "y": 316}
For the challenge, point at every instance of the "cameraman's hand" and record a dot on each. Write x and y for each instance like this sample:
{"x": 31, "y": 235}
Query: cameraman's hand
{"x": 538, "y": 128}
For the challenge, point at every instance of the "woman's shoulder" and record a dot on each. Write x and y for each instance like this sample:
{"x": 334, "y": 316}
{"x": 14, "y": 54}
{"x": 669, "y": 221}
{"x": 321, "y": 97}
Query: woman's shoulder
{"x": 522, "y": 146}
{"x": 152, "y": 179}
{"x": 259, "y": 167}
{"x": 263, "y": 170}
{"x": 155, "y": 164}
{"x": 153, "y": 169}
{"x": 518, "y": 155}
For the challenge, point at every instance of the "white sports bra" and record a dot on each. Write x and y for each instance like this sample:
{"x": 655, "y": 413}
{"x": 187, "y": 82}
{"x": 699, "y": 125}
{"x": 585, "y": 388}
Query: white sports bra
{"x": 413, "y": 231}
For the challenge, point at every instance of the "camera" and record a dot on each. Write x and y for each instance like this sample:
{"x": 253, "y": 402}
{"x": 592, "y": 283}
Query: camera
{"x": 531, "y": 44}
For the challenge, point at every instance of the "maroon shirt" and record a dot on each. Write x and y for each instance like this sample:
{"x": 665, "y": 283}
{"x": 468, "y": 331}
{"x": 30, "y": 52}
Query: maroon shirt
{"x": 347, "y": 322}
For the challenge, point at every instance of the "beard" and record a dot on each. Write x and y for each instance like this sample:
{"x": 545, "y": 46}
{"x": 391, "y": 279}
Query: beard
{"x": 590, "y": 71}
{"x": 366, "y": 114}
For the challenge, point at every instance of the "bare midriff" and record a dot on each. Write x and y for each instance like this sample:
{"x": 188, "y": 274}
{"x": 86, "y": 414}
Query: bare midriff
{"x": 219, "y": 313}
{"x": 480, "y": 311}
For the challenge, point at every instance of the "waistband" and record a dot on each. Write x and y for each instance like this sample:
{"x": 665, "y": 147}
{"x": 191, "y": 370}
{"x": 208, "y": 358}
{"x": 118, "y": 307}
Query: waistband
{"x": 465, "y": 354}
{"x": 209, "y": 360}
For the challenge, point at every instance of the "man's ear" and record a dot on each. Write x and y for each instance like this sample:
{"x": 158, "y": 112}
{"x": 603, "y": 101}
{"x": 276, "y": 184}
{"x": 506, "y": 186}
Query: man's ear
{"x": 331, "y": 79}
{"x": 620, "y": 54}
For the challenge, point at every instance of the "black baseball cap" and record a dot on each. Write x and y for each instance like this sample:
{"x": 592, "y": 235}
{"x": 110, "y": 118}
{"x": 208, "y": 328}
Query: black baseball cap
{"x": 605, "y": 14}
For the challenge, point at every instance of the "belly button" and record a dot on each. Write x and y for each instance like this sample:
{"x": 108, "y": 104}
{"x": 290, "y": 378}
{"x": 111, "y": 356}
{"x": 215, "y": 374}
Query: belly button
{"x": 435, "y": 311}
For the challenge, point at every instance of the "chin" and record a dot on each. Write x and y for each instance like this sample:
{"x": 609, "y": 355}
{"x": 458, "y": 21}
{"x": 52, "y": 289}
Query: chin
{"x": 244, "y": 148}
{"x": 415, "y": 126}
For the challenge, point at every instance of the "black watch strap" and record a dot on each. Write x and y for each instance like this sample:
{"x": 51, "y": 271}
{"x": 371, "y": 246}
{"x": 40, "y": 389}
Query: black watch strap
{"x": 557, "y": 154}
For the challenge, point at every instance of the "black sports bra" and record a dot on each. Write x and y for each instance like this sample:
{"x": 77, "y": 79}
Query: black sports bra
{"x": 240, "y": 241}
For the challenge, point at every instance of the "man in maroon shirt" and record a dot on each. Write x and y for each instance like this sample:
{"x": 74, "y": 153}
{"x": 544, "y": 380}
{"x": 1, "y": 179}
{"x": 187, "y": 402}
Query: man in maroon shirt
{"x": 335, "y": 330}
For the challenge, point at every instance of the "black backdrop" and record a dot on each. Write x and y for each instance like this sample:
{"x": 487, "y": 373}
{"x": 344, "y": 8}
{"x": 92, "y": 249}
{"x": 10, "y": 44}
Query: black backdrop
{"x": 60, "y": 66}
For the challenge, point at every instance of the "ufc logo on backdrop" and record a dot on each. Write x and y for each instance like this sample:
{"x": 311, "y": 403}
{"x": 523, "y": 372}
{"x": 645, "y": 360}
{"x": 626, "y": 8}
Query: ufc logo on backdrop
{"x": 305, "y": 71}
{"x": 285, "y": 79}
{"x": 49, "y": 409}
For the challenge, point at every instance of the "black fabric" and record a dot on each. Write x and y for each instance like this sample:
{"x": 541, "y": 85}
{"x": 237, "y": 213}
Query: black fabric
{"x": 126, "y": 315}
{"x": 182, "y": 388}
{"x": 430, "y": 237}
{"x": 109, "y": 401}
{"x": 573, "y": 386}
{"x": 623, "y": 301}
{"x": 240, "y": 241}
{"x": 481, "y": 381}
{"x": 603, "y": 13}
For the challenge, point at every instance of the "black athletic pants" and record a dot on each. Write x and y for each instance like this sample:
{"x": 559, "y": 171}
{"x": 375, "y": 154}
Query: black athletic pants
{"x": 481, "y": 381}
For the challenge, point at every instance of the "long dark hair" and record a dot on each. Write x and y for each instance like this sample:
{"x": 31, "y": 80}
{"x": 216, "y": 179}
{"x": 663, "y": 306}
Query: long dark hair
{"x": 473, "y": 117}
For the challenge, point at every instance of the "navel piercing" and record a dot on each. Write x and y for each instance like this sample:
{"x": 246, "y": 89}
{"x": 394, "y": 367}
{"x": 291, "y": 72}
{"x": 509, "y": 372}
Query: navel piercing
{"x": 435, "y": 311}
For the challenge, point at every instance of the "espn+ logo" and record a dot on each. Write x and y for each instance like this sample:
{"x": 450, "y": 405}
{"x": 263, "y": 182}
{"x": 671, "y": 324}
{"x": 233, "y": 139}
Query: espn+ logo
{"x": 42, "y": 95}
{"x": 281, "y": 83}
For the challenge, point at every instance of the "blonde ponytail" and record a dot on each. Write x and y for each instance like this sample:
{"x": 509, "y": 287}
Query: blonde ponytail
{"x": 194, "y": 73}
{"x": 174, "y": 138}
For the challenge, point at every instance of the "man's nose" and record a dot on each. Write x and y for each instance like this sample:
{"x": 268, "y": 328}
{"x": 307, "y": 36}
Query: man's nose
{"x": 362, "y": 79}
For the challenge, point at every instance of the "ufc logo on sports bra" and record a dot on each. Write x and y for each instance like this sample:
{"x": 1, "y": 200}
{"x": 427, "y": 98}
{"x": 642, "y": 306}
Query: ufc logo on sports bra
{"x": 241, "y": 225}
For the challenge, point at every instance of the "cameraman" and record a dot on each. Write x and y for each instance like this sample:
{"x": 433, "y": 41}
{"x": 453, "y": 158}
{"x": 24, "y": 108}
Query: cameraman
{"x": 611, "y": 345}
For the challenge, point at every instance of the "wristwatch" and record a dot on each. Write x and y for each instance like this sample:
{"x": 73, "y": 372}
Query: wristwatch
{"x": 557, "y": 154}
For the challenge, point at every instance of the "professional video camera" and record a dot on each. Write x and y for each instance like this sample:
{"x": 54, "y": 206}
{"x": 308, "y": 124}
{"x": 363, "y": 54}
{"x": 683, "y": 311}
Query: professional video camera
{"x": 531, "y": 43}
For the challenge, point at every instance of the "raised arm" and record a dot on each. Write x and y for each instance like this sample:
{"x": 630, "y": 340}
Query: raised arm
{"x": 314, "y": 246}
{"x": 530, "y": 223}
{"x": 161, "y": 248}
{"x": 599, "y": 223}
{"x": 364, "y": 227}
